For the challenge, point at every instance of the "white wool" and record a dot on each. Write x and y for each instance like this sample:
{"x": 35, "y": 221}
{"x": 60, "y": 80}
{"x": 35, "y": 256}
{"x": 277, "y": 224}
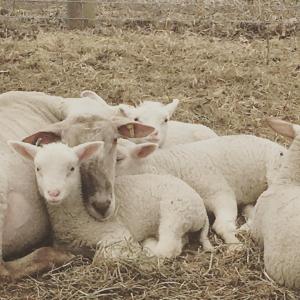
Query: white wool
{"x": 227, "y": 172}
{"x": 276, "y": 219}
{"x": 23, "y": 113}
{"x": 168, "y": 133}
{"x": 146, "y": 207}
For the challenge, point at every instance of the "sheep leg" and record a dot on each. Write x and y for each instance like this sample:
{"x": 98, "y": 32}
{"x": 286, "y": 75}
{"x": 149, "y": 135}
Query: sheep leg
{"x": 224, "y": 207}
{"x": 248, "y": 213}
{"x": 150, "y": 245}
{"x": 39, "y": 261}
{"x": 203, "y": 237}
{"x": 170, "y": 242}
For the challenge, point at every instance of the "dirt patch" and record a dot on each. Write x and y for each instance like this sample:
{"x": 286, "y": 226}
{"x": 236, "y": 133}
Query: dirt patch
{"x": 225, "y": 78}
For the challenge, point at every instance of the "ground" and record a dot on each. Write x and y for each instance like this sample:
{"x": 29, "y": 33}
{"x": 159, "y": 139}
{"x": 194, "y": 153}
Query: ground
{"x": 231, "y": 67}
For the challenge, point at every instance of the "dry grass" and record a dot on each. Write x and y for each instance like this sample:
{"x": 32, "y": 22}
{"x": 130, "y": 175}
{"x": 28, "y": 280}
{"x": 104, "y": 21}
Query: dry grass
{"x": 228, "y": 77}
{"x": 194, "y": 275}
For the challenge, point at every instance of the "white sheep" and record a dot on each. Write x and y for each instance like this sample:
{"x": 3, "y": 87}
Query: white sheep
{"x": 276, "y": 219}
{"x": 24, "y": 221}
{"x": 227, "y": 172}
{"x": 168, "y": 133}
{"x": 149, "y": 206}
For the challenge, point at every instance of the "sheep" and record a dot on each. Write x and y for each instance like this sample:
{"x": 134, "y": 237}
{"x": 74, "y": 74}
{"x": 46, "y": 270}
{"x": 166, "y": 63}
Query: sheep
{"x": 148, "y": 205}
{"x": 227, "y": 171}
{"x": 275, "y": 221}
{"x": 168, "y": 133}
{"x": 23, "y": 113}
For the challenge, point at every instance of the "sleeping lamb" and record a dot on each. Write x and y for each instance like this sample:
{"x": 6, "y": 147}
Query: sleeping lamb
{"x": 149, "y": 206}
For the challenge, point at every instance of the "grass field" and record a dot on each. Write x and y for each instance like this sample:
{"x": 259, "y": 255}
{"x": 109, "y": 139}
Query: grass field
{"x": 231, "y": 66}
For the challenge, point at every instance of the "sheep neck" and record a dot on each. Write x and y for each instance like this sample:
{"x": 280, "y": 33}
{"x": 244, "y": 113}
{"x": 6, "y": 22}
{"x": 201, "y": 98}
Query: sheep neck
{"x": 290, "y": 170}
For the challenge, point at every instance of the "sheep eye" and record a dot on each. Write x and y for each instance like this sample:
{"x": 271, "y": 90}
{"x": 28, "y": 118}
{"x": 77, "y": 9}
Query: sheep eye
{"x": 136, "y": 119}
{"x": 166, "y": 120}
{"x": 38, "y": 169}
{"x": 119, "y": 159}
{"x": 72, "y": 169}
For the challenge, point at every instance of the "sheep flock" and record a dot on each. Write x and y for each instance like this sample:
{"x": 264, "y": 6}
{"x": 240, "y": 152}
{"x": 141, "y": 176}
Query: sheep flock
{"x": 150, "y": 164}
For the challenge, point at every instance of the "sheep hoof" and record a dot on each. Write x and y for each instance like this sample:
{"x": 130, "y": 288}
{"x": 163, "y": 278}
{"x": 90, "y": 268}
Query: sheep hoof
{"x": 149, "y": 246}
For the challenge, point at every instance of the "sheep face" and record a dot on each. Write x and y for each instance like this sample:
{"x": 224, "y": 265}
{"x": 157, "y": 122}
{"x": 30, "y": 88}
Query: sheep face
{"x": 98, "y": 174}
{"x": 154, "y": 114}
{"x": 130, "y": 156}
{"x": 57, "y": 167}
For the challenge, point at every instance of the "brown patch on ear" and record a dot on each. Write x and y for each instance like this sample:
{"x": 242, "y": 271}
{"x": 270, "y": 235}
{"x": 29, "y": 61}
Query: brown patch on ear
{"x": 135, "y": 130}
{"x": 42, "y": 137}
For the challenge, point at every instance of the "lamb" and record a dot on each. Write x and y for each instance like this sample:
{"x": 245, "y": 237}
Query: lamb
{"x": 227, "y": 172}
{"x": 146, "y": 205}
{"x": 23, "y": 113}
{"x": 275, "y": 222}
{"x": 168, "y": 133}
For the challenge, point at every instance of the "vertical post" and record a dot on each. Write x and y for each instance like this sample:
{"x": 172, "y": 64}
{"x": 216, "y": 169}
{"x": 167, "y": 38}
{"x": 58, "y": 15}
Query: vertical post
{"x": 81, "y": 13}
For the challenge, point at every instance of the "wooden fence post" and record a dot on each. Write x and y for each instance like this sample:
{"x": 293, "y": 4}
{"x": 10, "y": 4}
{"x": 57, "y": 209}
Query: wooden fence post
{"x": 81, "y": 13}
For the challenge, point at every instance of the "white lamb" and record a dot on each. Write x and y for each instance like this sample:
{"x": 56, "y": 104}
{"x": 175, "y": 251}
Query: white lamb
{"x": 148, "y": 205}
{"x": 227, "y": 172}
{"x": 24, "y": 222}
{"x": 168, "y": 133}
{"x": 276, "y": 220}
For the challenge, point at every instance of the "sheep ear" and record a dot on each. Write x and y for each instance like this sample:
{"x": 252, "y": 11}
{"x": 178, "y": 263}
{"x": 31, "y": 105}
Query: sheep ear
{"x": 92, "y": 95}
{"x": 124, "y": 110}
{"x": 143, "y": 150}
{"x": 171, "y": 107}
{"x": 42, "y": 137}
{"x": 135, "y": 130}
{"x": 51, "y": 134}
{"x": 284, "y": 128}
{"x": 87, "y": 150}
{"x": 26, "y": 150}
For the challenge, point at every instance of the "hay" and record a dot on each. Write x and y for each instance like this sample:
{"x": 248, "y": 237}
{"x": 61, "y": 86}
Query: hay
{"x": 194, "y": 275}
{"x": 226, "y": 78}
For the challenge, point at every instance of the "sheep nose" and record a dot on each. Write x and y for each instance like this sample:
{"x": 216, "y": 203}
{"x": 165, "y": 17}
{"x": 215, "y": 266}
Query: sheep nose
{"x": 54, "y": 193}
{"x": 102, "y": 207}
